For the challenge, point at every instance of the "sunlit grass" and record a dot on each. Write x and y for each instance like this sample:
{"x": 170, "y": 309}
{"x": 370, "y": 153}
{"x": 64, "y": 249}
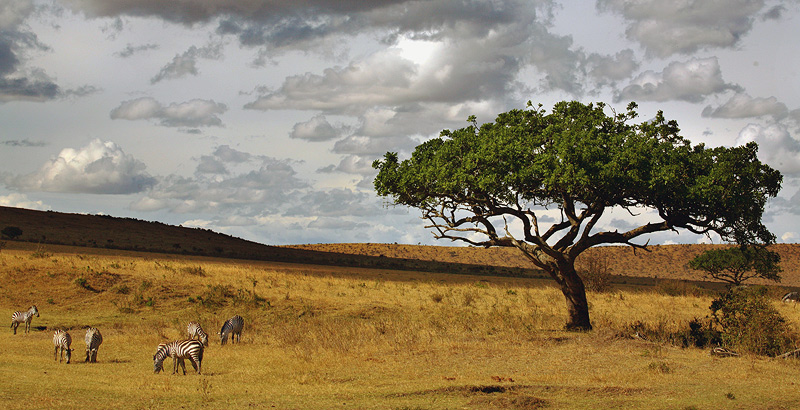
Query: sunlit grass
{"x": 324, "y": 337}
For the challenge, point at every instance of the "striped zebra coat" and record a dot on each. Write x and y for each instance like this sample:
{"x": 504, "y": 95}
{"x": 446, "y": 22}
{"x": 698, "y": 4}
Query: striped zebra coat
{"x": 233, "y": 327}
{"x": 93, "y": 341}
{"x": 196, "y": 332}
{"x": 179, "y": 350}
{"x": 62, "y": 341}
{"x": 24, "y": 317}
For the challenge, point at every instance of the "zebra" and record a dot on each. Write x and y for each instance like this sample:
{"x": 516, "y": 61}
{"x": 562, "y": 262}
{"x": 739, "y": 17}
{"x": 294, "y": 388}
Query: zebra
{"x": 62, "y": 341}
{"x": 791, "y": 297}
{"x": 232, "y": 326}
{"x": 93, "y": 341}
{"x": 179, "y": 350}
{"x": 196, "y": 331}
{"x": 20, "y": 317}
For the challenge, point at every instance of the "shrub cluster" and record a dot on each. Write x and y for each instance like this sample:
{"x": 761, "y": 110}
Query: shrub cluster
{"x": 595, "y": 270}
{"x": 748, "y": 322}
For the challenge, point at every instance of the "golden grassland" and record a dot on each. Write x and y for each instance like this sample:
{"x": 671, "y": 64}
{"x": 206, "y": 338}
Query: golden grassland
{"x": 320, "y": 337}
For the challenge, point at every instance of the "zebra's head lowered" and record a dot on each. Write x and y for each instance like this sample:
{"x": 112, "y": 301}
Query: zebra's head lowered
{"x": 159, "y": 357}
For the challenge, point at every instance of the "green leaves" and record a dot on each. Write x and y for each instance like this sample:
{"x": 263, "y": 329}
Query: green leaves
{"x": 738, "y": 264}
{"x": 580, "y": 156}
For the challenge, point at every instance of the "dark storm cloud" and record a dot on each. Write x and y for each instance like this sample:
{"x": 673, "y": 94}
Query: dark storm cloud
{"x": 198, "y": 11}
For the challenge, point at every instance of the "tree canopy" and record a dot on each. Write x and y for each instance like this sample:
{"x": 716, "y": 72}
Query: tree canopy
{"x": 490, "y": 185}
{"x": 739, "y": 264}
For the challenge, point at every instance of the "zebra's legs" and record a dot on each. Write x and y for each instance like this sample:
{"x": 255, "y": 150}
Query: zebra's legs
{"x": 175, "y": 363}
{"x": 195, "y": 365}
{"x": 14, "y": 326}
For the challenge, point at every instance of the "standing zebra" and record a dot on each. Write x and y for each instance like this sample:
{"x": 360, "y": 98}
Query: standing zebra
{"x": 232, "y": 326}
{"x": 93, "y": 341}
{"x": 179, "y": 350}
{"x": 20, "y": 317}
{"x": 196, "y": 332}
{"x": 62, "y": 341}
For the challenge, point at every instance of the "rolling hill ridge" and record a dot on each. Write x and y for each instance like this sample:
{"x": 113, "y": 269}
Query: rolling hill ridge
{"x": 100, "y": 231}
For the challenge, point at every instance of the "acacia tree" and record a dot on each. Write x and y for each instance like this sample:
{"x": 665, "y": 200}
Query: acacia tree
{"x": 739, "y": 264}
{"x": 491, "y": 185}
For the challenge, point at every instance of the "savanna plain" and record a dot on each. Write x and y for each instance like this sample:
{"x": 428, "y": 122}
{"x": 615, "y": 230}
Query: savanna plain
{"x": 323, "y": 337}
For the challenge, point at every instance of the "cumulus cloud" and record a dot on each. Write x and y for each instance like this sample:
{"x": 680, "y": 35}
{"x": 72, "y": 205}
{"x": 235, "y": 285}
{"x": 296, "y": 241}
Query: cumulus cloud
{"x": 215, "y": 163}
{"x": 790, "y": 237}
{"x": 354, "y": 164}
{"x": 690, "y": 81}
{"x": 612, "y": 68}
{"x": 339, "y": 202}
{"x": 269, "y": 187}
{"x": 193, "y": 113}
{"x": 776, "y": 146}
{"x": 18, "y": 200}
{"x": 316, "y": 129}
{"x": 741, "y": 105}
{"x": 186, "y": 64}
{"x": 101, "y": 167}
{"x": 665, "y": 28}
{"x": 366, "y": 146}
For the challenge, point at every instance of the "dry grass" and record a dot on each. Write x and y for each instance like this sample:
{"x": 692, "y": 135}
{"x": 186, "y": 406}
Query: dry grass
{"x": 326, "y": 337}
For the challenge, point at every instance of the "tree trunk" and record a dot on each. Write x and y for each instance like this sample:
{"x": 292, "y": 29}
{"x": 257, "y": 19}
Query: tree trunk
{"x": 575, "y": 295}
{"x": 563, "y": 271}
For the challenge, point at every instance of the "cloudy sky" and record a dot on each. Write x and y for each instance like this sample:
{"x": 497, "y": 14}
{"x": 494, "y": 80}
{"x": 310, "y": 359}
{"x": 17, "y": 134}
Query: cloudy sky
{"x": 261, "y": 118}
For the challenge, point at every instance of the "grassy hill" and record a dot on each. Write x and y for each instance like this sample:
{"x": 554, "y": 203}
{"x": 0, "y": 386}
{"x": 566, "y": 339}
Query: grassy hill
{"x": 98, "y": 231}
{"x": 106, "y": 232}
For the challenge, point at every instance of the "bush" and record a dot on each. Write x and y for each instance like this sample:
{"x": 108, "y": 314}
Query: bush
{"x": 595, "y": 270}
{"x": 748, "y": 322}
{"x": 11, "y": 232}
{"x": 699, "y": 335}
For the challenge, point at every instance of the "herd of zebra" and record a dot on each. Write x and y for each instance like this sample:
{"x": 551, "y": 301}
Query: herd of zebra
{"x": 179, "y": 350}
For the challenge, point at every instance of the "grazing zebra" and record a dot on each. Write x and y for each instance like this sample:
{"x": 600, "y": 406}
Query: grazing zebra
{"x": 179, "y": 350}
{"x": 20, "y": 317}
{"x": 232, "y": 326}
{"x": 196, "y": 333}
{"x": 791, "y": 297}
{"x": 93, "y": 341}
{"x": 62, "y": 341}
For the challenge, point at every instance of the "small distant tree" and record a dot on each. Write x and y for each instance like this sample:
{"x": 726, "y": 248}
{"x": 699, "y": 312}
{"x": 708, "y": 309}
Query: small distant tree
{"x": 11, "y": 232}
{"x": 738, "y": 264}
